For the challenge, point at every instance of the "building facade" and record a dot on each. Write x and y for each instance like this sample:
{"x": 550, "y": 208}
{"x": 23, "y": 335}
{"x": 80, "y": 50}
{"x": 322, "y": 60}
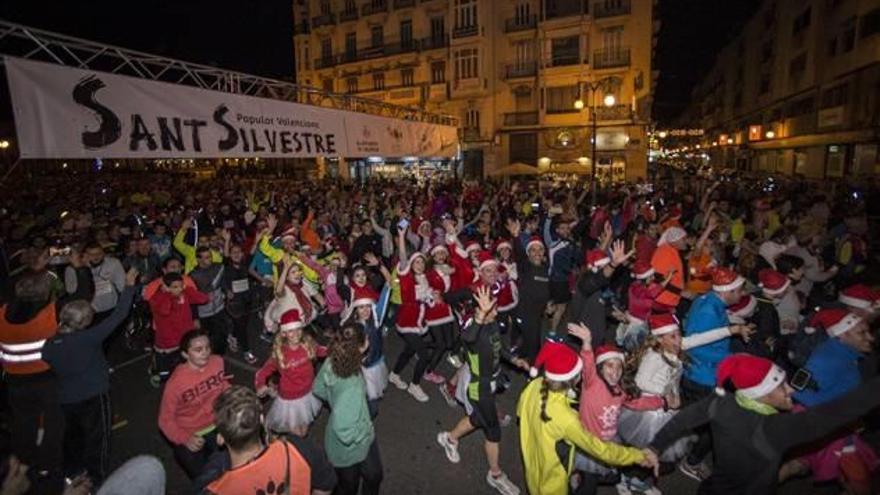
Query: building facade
{"x": 510, "y": 70}
{"x": 797, "y": 91}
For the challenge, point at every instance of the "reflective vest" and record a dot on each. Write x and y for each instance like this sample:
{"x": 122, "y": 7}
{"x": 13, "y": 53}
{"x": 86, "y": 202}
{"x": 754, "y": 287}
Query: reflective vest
{"x": 21, "y": 345}
{"x": 280, "y": 466}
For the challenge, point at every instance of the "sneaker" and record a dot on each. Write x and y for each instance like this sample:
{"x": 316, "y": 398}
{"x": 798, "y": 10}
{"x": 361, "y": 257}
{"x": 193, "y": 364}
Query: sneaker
{"x": 395, "y": 379}
{"x": 455, "y": 361}
{"x": 250, "y": 358}
{"x": 417, "y": 392}
{"x": 434, "y": 378}
{"x": 502, "y": 483}
{"x": 622, "y": 488}
{"x": 448, "y": 395}
{"x": 450, "y": 447}
{"x": 634, "y": 485}
{"x": 697, "y": 472}
{"x": 504, "y": 420}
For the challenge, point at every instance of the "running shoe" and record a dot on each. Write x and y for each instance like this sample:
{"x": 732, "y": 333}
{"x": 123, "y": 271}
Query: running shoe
{"x": 395, "y": 379}
{"x": 250, "y": 358}
{"x": 697, "y": 472}
{"x": 417, "y": 392}
{"x": 502, "y": 483}
{"x": 633, "y": 485}
{"x": 450, "y": 447}
{"x": 623, "y": 489}
{"x": 448, "y": 395}
{"x": 434, "y": 378}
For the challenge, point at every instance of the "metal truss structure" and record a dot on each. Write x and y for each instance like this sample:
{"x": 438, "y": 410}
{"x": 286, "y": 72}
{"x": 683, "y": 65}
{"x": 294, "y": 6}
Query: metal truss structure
{"x": 34, "y": 44}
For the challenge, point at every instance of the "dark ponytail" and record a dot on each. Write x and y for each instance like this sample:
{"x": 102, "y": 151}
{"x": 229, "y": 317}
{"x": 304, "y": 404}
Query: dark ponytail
{"x": 545, "y": 391}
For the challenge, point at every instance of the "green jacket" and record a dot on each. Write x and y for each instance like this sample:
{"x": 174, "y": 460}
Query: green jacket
{"x": 349, "y": 432}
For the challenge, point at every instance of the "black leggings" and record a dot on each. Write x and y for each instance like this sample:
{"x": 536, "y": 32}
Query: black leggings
{"x": 415, "y": 344}
{"x": 692, "y": 392}
{"x": 240, "y": 330}
{"x": 444, "y": 339}
{"x": 366, "y": 475}
{"x": 193, "y": 462}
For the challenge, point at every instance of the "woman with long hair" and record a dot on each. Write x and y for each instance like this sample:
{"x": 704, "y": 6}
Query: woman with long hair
{"x": 290, "y": 293}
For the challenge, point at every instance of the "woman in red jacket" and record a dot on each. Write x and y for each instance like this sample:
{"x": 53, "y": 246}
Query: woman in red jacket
{"x": 438, "y": 314}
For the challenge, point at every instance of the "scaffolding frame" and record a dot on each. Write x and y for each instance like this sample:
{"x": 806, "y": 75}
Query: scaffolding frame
{"x": 35, "y": 44}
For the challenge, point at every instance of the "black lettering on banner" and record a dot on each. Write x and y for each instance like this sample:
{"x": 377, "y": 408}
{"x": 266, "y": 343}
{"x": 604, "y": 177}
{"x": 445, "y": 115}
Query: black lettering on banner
{"x": 110, "y": 128}
{"x": 272, "y": 139}
{"x": 244, "y": 141}
{"x": 331, "y": 143}
{"x": 231, "y": 139}
{"x": 168, "y": 136}
{"x": 306, "y": 136}
{"x": 285, "y": 142}
{"x": 195, "y": 124}
{"x": 299, "y": 145}
{"x": 257, "y": 146}
{"x": 319, "y": 144}
{"x": 140, "y": 132}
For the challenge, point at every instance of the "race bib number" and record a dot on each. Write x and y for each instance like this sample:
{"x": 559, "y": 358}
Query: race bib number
{"x": 240, "y": 285}
{"x": 103, "y": 287}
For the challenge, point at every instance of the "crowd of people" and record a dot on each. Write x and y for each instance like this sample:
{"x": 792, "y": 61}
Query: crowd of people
{"x": 724, "y": 329}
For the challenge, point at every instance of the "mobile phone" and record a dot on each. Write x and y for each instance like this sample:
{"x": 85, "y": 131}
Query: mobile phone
{"x": 801, "y": 379}
{"x": 403, "y": 224}
{"x": 536, "y": 205}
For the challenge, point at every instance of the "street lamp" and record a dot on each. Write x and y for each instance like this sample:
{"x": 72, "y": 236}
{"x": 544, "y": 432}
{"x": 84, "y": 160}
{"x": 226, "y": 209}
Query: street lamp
{"x": 770, "y": 134}
{"x": 662, "y": 134}
{"x": 4, "y": 144}
{"x": 608, "y": 101}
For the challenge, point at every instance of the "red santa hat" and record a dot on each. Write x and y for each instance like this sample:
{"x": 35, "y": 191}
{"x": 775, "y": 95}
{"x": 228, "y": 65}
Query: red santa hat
{"x": 674, "y": 212}
{"x": 642, "y": 270}
{"x": 471, "y": 246}
{"x": 662, "y": 323}
{"x": 290, "y": 320}
{"x": 772, "y": 282}
{"x": 503, "y": 244}
{"x": 726, "y": 279}
{"x": 534, "y": 241}
{"x": 859, "y": 296}
{"x": 362, "y": 296}
{"x": 439, "y": 246}
{"x": 835, "y": 321}
{"x": 560, "y": 362}
{"x": 409, "y": 262}
{"x": 608, "y": 351}
{"x": 743, "y": 308}
{"x": 752, "y": 376}
{"x": 596, "y": 259}
{"x": 486, "y": 259}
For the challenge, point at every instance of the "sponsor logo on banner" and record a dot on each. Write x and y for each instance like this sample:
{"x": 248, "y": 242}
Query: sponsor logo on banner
{"x": 62, "y": 112}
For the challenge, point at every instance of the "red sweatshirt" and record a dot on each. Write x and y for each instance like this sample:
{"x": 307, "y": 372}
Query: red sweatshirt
{"x": 173, "y": 317}
{"x": 188, "y": 399}
{"x": 600, "y": 409}
{"x": 297, "y": 374}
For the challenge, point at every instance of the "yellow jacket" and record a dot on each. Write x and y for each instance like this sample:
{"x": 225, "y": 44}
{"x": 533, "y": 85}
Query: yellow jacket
{"x": 276, "y": 254}
{"x": 545, "y": 475}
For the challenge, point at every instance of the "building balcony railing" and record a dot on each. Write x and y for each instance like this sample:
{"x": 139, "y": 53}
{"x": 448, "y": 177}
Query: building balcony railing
{"x": 520, "y": 69}
{"x": 607, "y": 59}
{"x": 610, "y": 8}
{"x": 470, "y": 134}
{"x": 301, "y": 27}
{"x": 463, "y": 31}
{"x": 563, "y": 60}
{"x": 551, "y": 110}
{"x": 325, "y": 62}
{"x": 520, "y": 23}
{"x": 434, "y": 42}
{"x": 388, "y": 49}
{"x": 556, "y": 9}
{"x": 616, "y": 112}
{"x": 323, "y": 20}
{"x": 520, "y": 118}
{"x": 348, "y": 15}
{"x": 402, "y": 4}
{"x": 374, "y": 7}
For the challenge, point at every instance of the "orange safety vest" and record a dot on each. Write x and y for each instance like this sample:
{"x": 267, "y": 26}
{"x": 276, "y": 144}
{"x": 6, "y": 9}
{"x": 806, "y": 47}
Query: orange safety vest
{"x": 21, "y": 345}
{"x": 280, "y": 466}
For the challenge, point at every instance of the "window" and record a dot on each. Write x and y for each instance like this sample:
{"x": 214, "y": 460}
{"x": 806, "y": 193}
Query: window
{"x": 327, "y": 85}
{"x": 326, "y": 48}
{"x": 406, "y": 77}
{"x": 524, "y": 52}
{"x": 438, "y": 72}
{"x": 465, "y": 13}
{"x": 870, "y": 24}
{"x": 799, "y": 107}
{"x": 378, "y": 81}
{"x": 565, "y": 51}
{"x": 466, "y": 64}
{"x": 765, "y": 84}
{"x": 406, "y": 39}
{"x": 325, "y": 7}
{"x": 523, "y": 12}
{"x": 798, "y": 65}
{"x": 524, "y": 147}
{"x": 801, "y": 22}
{"x": 438, "y": 28}
{"x": 351, "y": 46}
{"x": 472, "y": 119}
{"x": 352, "y": 85}
{"x": 848, "y": 35}
{"x": 377, "y": 35}
{"x": 835, "y": 97}
{"x": 561, "y": 99}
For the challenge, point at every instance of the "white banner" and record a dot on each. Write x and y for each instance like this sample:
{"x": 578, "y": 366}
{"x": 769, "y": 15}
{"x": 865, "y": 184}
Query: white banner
{"x": 61, "y": 112}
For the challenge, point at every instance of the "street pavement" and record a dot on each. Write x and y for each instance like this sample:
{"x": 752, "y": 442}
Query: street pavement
{"x": 413, "y": 461}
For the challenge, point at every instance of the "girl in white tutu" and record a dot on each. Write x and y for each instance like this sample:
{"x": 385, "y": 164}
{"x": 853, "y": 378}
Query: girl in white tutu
{"x": 294, "y": 407}
{"x": 362, "y": 311}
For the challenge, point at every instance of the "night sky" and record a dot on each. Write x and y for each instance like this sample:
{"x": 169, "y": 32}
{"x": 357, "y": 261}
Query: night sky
{"x": 256, "y": 36}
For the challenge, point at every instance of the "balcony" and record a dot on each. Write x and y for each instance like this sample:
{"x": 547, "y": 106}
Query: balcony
{"x": 470, "y": 134}
{"x": 438, "y": 92}
{"x": 368, "y": 53}
{"x": 616, "y": 112}
{"x": 374, "y": 7}
{"x": 513, "y": 119}
{"x": 325, "y": 62}
{"x": 563, "y": 59}
{"x": 520, "y": 69}
{"x": 564, "y": 8}
{"x": 348, "y": 15}
{"x": 301, "y": 27}
{"x": 323, "y": 20}
{"x": 520, "y": 23}
{"x": 611, "y": 8}
{"x": 464, "y": 31}
{"x": 434, "y": 42}
{"x": 402, "y": 4}
{"x": 609, "y": 59}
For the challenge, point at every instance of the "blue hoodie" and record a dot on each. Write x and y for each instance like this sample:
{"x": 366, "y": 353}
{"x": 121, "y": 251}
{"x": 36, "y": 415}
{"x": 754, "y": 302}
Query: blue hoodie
{"x": 708, "y": 312}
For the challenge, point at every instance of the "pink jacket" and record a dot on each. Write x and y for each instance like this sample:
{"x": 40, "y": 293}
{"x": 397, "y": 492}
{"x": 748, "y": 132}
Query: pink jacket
{"x": 332, "y": 300}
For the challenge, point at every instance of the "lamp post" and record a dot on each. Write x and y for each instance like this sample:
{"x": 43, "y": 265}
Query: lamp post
{"x": 608, "y": 101}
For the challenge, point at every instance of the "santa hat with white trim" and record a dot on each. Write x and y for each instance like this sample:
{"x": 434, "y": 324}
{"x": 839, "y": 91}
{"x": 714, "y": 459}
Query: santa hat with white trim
{"x": 772, "y": 282}
{"x": 751, "y": 376}
{"x": 597, "y": 259}
{"x": 642, "y": 270}
{"x": 726, "y": 279}
{"x": 859, "y": 296}
{"x": 472, "y": 246}
{"x": 534, "y": 241}
{"x": 835, "y": 321}
{"x": 663, "y": 323}
{"x": 606, "y": 352}
{"x": 744, "y": 308}
{"x": 362, "y": 296}
{"x": 503, "y": 244}
{"x": 290, "y": 320}
{"x": 560, "y": 362}
{"x": 439, "y": 246}
{"x": 486, "y": 260}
